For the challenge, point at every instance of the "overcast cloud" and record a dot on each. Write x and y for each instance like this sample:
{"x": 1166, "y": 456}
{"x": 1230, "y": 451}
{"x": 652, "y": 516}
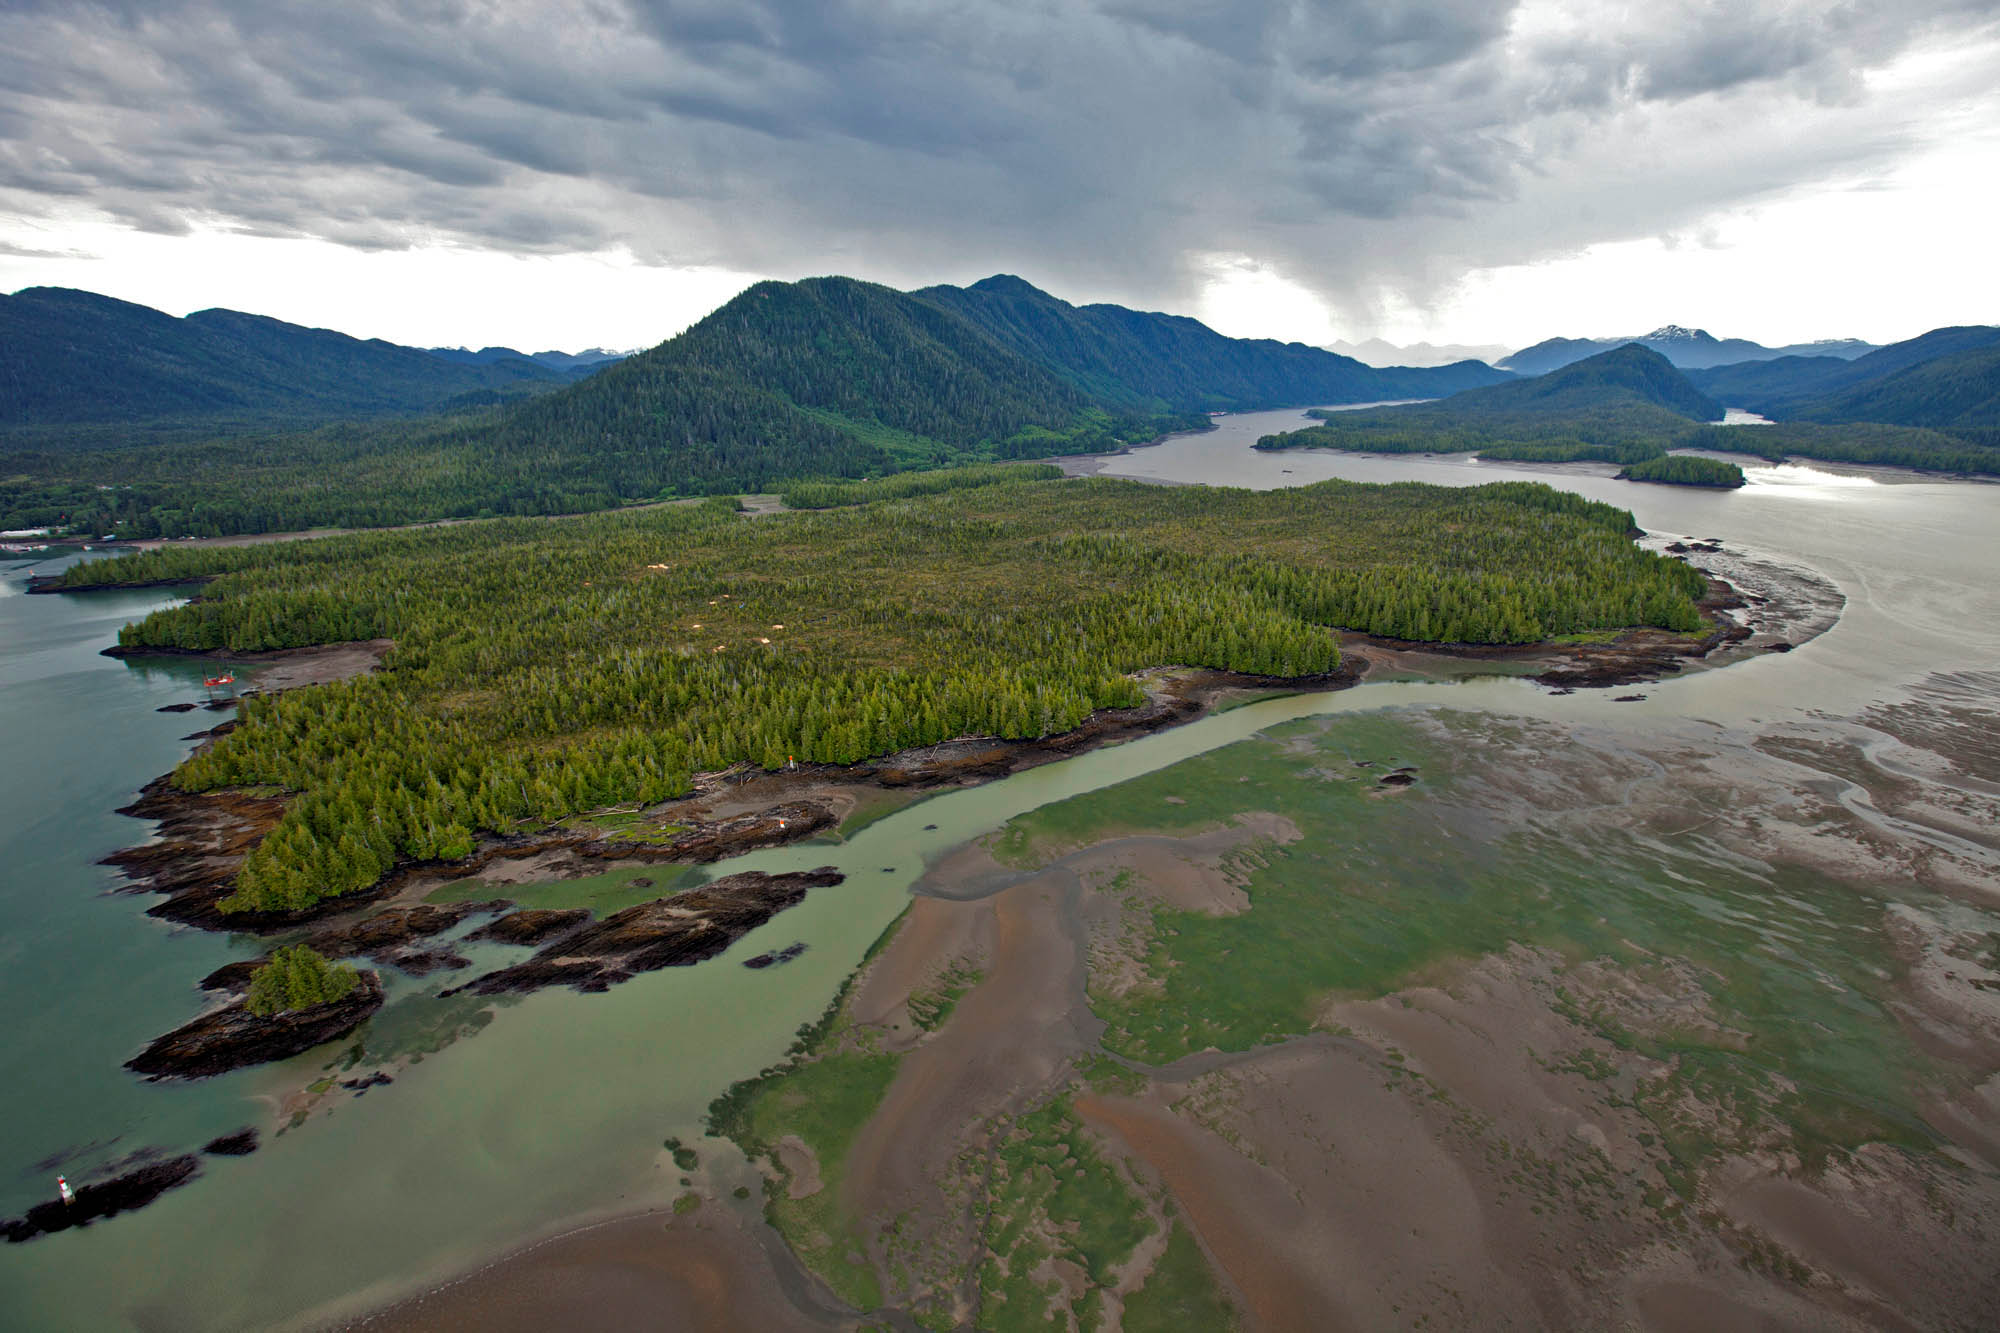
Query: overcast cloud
{"x": 1370, "y": 151}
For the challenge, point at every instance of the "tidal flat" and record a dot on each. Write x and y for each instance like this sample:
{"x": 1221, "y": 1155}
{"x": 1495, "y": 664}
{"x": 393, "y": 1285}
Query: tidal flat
{"x": 1576, "y": 1028}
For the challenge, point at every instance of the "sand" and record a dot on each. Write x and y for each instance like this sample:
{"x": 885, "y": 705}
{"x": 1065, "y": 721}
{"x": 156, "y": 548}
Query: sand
{"x": 705, "y": 1271}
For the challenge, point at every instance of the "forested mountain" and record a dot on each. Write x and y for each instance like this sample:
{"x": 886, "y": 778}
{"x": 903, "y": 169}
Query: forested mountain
{"x": 828, "y": 376}
{"x": 1958, "y": 393}
{"x": 1823, "y": 389}
{"x": 573, "y": 364}
{"x": 1688, "y": 349}
{"x": 1761, "y": 385}
{"x": 1630, "y": 407}
{"x": 1153, "y": 362}
{"x": 836, "y": 378}
{"x": 1618, "y": 381}
{"x": 1622, "y": 406}
{"x": 70, "y": 357}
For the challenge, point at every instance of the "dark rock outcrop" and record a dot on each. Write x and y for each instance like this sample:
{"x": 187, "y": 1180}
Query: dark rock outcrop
{"x": 775, "y": 957}
{"x": 390, "y": 929}
{"x": 232, "y": 976}
{"x": 667, "y": 932}
{"x": 121, "y": 1194}
{"x": 240, "y": 1144}
{"x": 533, "y": 925}
{"x": 388, "y": 937}
{"x": 233, "y": 1037}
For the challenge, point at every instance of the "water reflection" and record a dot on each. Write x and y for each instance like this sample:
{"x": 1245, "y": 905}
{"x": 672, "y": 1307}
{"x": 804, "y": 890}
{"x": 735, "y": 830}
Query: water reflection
{"x": 1804, "y": 482}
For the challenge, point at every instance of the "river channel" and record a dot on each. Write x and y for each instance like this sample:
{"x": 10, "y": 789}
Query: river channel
{"x": 511, "y": 1123}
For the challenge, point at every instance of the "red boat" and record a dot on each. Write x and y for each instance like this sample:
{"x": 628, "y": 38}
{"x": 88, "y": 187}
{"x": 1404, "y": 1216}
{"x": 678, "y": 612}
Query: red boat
{"x": 214, "y": 681}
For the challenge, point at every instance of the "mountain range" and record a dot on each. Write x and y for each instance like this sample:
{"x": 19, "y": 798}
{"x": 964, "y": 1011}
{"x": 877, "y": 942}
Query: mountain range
{"x": 1688, "y": 349}
{"x": 72, "y": 358}
{"x": 951, "y": 365}
{"x": 1380, "y": 352}
{"x": 841, "y": 377}
{"x": 573, "y": 363}
{"x": 1930, "y": 380}
{"x": 1932, "y": 402}
{"x": 825, "y": 377}
{"x": 1945, "y": 380}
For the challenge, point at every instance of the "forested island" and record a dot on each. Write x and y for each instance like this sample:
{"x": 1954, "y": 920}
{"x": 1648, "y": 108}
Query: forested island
{"x": 543, "y": 669}
{"x": 1682, "y": 470}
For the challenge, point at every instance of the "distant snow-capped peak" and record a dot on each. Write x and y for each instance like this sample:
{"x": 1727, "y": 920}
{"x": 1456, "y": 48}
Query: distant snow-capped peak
{"x": 1674, "y": 333}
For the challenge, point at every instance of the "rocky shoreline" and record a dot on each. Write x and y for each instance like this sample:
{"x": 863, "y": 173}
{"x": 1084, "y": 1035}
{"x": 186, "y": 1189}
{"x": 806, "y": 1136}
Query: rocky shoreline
{"x": 53, "y": 583}
{"x": 232, "y": 1037}
{"x": 204, "y": 836}
{"x": 1635, "y": 657}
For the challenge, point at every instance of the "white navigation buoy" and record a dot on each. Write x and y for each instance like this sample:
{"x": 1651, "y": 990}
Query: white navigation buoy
{"x": 62, "y": 1185}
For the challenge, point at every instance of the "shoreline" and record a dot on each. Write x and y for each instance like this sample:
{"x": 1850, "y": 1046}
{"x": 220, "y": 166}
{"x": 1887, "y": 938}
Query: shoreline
{"x": 204, "y": 835}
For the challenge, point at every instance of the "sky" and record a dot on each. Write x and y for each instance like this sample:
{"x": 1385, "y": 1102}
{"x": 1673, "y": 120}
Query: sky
{"x": 575, "y": 173}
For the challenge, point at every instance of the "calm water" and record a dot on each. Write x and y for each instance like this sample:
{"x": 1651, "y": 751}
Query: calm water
{"x": 555, "y": 1111}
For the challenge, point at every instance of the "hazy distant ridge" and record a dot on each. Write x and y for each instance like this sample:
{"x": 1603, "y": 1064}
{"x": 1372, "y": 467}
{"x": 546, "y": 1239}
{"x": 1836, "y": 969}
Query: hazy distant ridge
{"x": 1688, "y": 349}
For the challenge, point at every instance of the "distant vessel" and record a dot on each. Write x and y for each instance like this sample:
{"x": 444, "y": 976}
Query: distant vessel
{"x": 225, "y": 679}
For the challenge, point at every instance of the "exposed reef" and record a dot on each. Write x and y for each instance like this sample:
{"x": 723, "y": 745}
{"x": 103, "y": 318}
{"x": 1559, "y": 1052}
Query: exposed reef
{"x": 667, "y": 932}
{"x": 107, "y": 1198}
{"x": 240, "y": 1144}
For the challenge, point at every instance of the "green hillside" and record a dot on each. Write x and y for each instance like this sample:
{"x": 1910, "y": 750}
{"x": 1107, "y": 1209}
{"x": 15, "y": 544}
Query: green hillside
{"x": 70, "y": 358}
{"x": 1828, "y": 389}
{"x": 1959, "y": 394}
{"x": 1154, "y": 361}
{"x": 829, "y": 376}
{"x": 1761, "y": 386}
{"x": 1619, "y": 406}
{"x": 1620, "y": 381}
{"x": 824, "y": 378}
{"x": 1622, "y": 407}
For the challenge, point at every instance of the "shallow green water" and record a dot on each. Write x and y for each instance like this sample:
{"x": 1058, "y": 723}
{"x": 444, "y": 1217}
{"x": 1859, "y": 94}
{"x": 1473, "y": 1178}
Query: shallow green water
{"x": 528, "y": 1117}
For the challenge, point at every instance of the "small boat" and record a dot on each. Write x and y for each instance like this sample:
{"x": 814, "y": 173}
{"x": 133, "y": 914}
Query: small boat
{"x": 225, "y": 679}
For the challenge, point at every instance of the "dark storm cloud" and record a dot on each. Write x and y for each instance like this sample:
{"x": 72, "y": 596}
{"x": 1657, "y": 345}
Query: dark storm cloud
{"x": 1098, "y": 145}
